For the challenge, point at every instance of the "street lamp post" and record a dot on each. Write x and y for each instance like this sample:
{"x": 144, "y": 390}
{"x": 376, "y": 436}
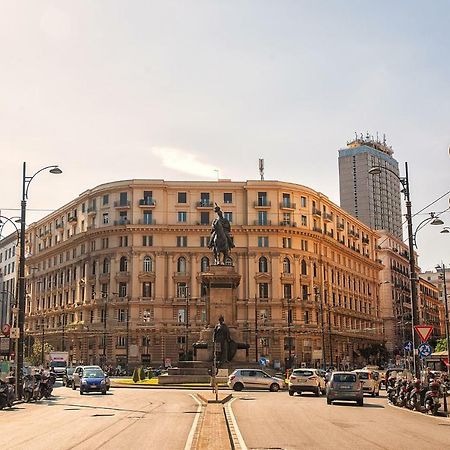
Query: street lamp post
{"x": 26, "y": 180}
{"x": 289, "y": 321}
{"x": 412, "y": 260}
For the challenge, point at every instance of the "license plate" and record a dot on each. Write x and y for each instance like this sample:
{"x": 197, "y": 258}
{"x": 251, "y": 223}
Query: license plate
{"x": 344, "y": 386}
{"x": 93, "y": 385}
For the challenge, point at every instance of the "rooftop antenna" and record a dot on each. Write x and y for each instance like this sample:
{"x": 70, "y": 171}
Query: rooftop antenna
{"x": 217, "y": 173}
{"x": 261, "y": 168}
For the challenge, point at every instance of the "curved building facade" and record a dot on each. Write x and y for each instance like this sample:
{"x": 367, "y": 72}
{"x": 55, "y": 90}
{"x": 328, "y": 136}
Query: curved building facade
{"x": 114, "y": 275}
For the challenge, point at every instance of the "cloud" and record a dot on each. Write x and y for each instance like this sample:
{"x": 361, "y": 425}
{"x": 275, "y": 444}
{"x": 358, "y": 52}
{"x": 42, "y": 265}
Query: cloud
{"x": 184, "y": 161}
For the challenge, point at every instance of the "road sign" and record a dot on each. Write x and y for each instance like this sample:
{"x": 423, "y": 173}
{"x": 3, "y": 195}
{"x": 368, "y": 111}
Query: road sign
{"x": 5, "y": 344}
{"x": 5, "y": 329}
{"x": 14, "y": 333}
{"x": 425, "y": 350}
{"x": 262, "y": 361}
{"x": 408, "y": 346}
{"x": 424, "y": 331}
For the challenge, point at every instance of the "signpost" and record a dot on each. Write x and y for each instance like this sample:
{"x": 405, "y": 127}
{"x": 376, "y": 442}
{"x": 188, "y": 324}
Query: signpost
{"x": 408, "y": 346}
{"x": 424, "y": 331}
{"x": 425, "y": 350}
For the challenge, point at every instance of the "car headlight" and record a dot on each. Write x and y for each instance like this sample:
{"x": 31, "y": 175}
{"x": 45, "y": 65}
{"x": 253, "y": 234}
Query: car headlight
{"x": 103, "y": 382}
{"x": 83, "y": 381}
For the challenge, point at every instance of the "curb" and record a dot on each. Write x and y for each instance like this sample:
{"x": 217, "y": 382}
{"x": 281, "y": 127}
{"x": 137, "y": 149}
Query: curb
{"x": 419, "y": 412}
{"x": 171, "y": 386}
{"x": 236, "y": 440}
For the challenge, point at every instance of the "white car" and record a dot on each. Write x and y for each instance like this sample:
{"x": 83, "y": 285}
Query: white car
{"x": 307, "y": 380}
{"x": 254, "y": 379}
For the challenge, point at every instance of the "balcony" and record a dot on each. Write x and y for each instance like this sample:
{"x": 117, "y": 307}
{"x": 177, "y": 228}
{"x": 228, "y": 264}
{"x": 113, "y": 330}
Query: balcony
{"x": 59, "y": 225}
{"x": 330, "y": 233}
{"x": 204, "y": 204}
{"x": 341, "y": 226}
{"x": 122, "y": 204}
{"x": 147, "y": 202}
{"x": 122, "y": 222}
{"x": 287, "y": 205}
{"x": 365, "y": 240}
{"x": 263, "y": 223}
{"x": 72, "y": 219}
{"x": 92, "y": 210}
{"x": 316, "y": 212}
{"x": 286, "y": 223}
{"x": 318, "y": 229}
{"x": 328, "y": 217}
{"x": 262, "y": 203}
{"x": 146, "y": 222}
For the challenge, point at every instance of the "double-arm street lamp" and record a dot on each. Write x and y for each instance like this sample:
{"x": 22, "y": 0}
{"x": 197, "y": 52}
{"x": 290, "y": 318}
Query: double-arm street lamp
{"x": 26, "y": 180}
{"x": 376, "y": 170}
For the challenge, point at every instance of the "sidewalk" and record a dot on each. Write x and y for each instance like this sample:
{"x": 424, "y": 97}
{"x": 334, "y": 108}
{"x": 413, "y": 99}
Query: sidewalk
{"x": 118, "y": 383}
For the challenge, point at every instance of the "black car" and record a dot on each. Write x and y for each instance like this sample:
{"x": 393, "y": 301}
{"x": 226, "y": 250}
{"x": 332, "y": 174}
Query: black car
{"x": 68, "y": 377}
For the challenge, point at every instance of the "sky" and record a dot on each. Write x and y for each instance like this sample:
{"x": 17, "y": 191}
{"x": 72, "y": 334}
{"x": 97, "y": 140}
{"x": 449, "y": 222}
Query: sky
{"x": 196, "y": 90}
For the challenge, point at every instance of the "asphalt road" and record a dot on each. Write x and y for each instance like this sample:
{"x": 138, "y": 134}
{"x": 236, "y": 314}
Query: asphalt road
{"x": 123, "y": 419}
{"x": 276, "y": 421}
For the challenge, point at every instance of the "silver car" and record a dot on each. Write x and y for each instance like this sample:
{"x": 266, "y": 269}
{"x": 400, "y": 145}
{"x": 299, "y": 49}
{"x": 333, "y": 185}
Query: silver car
{"x": 345, "y": 386}
{"x": 254, "y": 379}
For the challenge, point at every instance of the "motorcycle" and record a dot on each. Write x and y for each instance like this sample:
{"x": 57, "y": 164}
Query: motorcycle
{"x": 28, "y": 388}
{"x": 46, "y": 385}
{"x": 7, "y": 395}
{"x": 432, "y": 402}
{"x": 414, "y": 399}
{"x": 391, "y": 390}
{"x": 403, "y": 395}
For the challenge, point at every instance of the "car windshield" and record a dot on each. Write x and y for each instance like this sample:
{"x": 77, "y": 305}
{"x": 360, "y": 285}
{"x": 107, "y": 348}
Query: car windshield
{"x": 70, "y": 370}
{"x": 344, "y": 378}
{"x": 302, "y": 373}
{"x": 58, "y": 364}
{"x": 363, "y": 375}
{"x": 93, "y": 374}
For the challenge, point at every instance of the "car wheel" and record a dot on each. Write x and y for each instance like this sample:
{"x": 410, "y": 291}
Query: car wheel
{"x": 328, "y": 401}
{"x": 373, "y": 393}
{"x": 317, "y": 392}
{"x": 378, "y": 394}
{"x": 73, "y": 387}
{"x": 104, "y": 392}
{"x": 274, "y": 387}
{"x": 238, "y": 386}
{"x": 360, "y": 402}
{"x": 81, "y": 391}
{"x": 291, "y": 393}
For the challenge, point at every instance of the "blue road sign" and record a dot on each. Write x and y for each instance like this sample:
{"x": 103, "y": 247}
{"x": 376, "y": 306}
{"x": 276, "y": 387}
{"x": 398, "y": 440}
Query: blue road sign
{"x": 408, "y": 346}
{"x": 424, "y": 350}
{"x": 262, "y": 361}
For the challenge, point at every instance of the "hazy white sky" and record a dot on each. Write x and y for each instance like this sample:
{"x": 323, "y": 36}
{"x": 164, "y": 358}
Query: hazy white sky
{"x": 115, "y": 90}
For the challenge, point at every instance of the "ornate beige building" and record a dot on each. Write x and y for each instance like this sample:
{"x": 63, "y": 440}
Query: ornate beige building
{"x": 113, "y": 276}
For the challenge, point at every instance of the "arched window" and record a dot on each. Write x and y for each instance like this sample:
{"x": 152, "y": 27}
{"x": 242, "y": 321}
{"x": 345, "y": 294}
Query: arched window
{"x": 304, "y": 268}
{"x": 106, "y": 265}
{"x": 181, "y": 265}
{"x": 286, "y": 265}
{"x": 148, "y": 264}
{"x": 123, "y": 265}
{"x": 204, "y": 264}
{"x": 263, "y": 264}
{"x": 314, "y": 270}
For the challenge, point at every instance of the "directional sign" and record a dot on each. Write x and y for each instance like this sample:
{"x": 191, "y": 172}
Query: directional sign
{"x": 408, "y": 346}
{"x": 425, "y": 350}
{"x": 5, "y": 329}
{"x": 262, "y": 361}
{"x": 424, "y": 331}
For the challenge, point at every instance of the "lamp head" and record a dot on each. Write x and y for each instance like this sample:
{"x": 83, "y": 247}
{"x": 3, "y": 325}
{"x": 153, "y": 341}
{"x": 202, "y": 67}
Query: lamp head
{"x": 56, "y": 170}
{"x": 437, "y": 221}
{"x": 375, "y": 171}
{"x": 445, "y": 230}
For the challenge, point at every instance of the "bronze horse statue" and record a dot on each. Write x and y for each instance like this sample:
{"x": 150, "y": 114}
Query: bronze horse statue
{"x": 220, "y": 241}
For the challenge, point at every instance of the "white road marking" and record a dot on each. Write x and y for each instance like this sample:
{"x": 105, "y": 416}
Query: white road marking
{"x": 191, "y": 435}
{"x": 235, "y": 425}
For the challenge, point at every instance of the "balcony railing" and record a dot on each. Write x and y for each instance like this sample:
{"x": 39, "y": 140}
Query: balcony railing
{"x": 287, "y": 205}
{"x": 122, "y": 204}
{"x": 316, "y": 212}
{"x": 340, "y": 226}
{"x": 328, "y": 217}
{"x": 262, "y": 203}
{"x": 365, "y": 240}
{"x": 72, "y": 219}
{"x": 204, "y": 204}
{"x": 92, "y": 210}
{"x": 146, "y": 222}
{"x": 60, "y": 225}
{"x": 122, "y": 222}
{"x": 286, "y": 223}
{"x": 147, "y": 201}
{"x": 262, "y": 222}
{"x": 318, "y": 229}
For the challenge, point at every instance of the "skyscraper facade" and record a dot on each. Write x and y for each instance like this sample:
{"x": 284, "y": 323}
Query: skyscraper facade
{"x": 373, "y": 199}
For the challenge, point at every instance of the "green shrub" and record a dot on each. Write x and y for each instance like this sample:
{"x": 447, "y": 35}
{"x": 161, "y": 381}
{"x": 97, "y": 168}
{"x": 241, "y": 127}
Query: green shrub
{"x": 135, "y": 375}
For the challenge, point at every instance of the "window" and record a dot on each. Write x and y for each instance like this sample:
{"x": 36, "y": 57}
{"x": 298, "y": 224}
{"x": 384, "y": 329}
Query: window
{"x": 105, "y": 199}
{"x": 228, "y": 197}
{"x": 303, "y": 203}
{"x": 122, "y": 289}
{"x": 123, "y": 199}
{"x": 228, "y": 215}
{"x": 146, "y": 289}
{"x": 287, "y": 200}
{"x": 262, "y": 218}
{"x": 121, "y": 315}
{"x": 262, "y": 266}
{"x": 105, "y": 218}
{"x": 182, "y": 290}
{"x": 204, "y": 241}
{"x": 286, "y": 219}
{"x": 204, "y": 218}
{"x": 148, "y": 264}
{"x": 147, "y": 316}
{"x": 105, "y": 243}
{"x": 204, "y": 199}
{"x": 287, "y": 242}
{"x": 181, "y": 316}
{"x": 304, "y": 221}
{"x": 123, "y": 241}
{"x": 121, "y": 341}
{"x": 263, "y": 290}
{"x": 286, "y": 265}
{"x": 181, "y": 265}
{"x": 262, "y": 199}
{"x": 148, "y": 218}
{"x": 304, "y": 267}
{"x": 305, "y": 293}
{"x": 182, "y": 216}
{"x": 182, "y": 197}
{"x": 204, "y": 264}
{"x": 181, "y": 241}
{"x": 105, "y": 268}
{"x": 147, "y": 241}
{"x": 306, "y": 317}
{"x": 123, "y": 264}
{"x": 287, "y": 291}
{"x": 304, "y": 245}
{"x": 263, "y": 241}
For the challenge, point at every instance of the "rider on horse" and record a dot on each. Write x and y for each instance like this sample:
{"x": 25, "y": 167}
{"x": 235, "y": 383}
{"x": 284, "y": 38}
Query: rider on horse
{"x": 220, "y": 240}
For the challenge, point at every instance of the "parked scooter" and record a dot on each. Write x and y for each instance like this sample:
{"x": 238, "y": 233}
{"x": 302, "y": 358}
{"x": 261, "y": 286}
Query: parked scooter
{"x": 415, "y": 395}
{"x": 7, "y": 395}
{"x": 46, "y": 384}
{"x": 432, "y": 402}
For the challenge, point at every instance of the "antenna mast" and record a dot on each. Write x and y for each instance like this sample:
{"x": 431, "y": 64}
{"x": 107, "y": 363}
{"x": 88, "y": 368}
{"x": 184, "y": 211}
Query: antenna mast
{"x": 261, "y": 168}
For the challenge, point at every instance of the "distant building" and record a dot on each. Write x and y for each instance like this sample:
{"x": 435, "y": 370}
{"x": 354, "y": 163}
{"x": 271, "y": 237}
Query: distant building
{"x": 373, "y": 199}
{"x": 117, "y": 276}
{"x": 431, "y": 309}
{"x": 8, "y": 276}
{"x": 437, "y": 279}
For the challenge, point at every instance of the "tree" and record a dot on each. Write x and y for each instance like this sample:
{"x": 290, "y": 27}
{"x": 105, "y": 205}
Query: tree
{"x": 35, "y": 358}
{"x": 141, "y": 373}
{"x": 441, "y": 345}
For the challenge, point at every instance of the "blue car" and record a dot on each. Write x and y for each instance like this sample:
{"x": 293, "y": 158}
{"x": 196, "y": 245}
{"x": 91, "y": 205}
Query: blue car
{"x": 92, "y": 380}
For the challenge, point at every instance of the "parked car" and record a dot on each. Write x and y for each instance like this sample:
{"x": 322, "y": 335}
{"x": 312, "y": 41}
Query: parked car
{"x": 254, "y": 379}
{"x": 68, "y": 377}
{"x": 77, "y": 374}
{"x": 345, "y": 386}
{"x": 370, "y": 381}
{"x": 306, "y": 380}
{"x": 381, "y": 373}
